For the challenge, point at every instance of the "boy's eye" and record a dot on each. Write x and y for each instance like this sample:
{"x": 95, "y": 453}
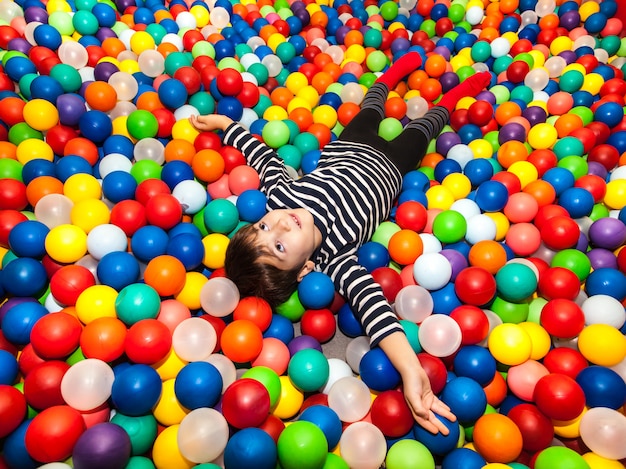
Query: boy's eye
{"x": 280, "y": 247}
{"x": 263, "y": 226}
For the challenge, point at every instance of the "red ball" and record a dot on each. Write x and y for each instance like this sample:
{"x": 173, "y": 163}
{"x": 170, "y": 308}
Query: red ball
{"x": 58, "y": 136}
{"x": 548, "y": 211}
{"x": 12, "y": 194}
{"x": 52, "y": 434}
{"x": 67, "y": 283}
{"x": 559, "y": 397}
{"x": 391, "y": 414}
{"x": 28, "y": 360}
{"x": 42, "y": 386}
{"x": 189, "y": 77}
{"x": 480, "y": 113}
{"x": 12, "y": 409}
{"x": 537, "y": 429}
{"x": 232, "y": 158}
{"x": 165, "y": 120}
{"x": 435, "y": 370}
{"x": 164, "y": 211}
{"x": 246, "y": 403}
{"x": 621, "y": 260}
{"x": 229, "y": 82}
{"x": 565, "y": 361}
{"x": 149, "y": 188}
{"x": 273, "y": 426}
{"x": 56, "y": 336}
{"x": 593, "y": 184}
{"x": 562, "y": 318}
{"x": 319, "y": 323}
{"x": 509, "y": 180}
{"x": 606, "y": 155}
{"x": 559, "y": 233}
{"x": 459, "y": 118}
{"x": 389, "y": 280}
{"x": 558, "y": 282}
{"x": 8, "y": 220}
{"x": 473, "y": 322}
{"x": 148, "y": 341}
{"x": 475, "y": 286}
{"x": 129, "y": 215}
{"x": 189, "y": 39}
{"x": 249, "y": 95}
{"x": 586, "y": 137}
{"x": 411, "y": 215}
{"x": 517, "y": 71}
{"x": 208, "y": 140}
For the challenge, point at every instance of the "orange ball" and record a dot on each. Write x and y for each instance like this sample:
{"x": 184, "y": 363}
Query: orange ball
{"x": 506, "y": 111}
{"x": 281, "y": 97}
{"x": 567, "y": 123}
{"x": 430, "y": 89}
{"x": 254, "y": 309}
{"x": 321, "y": 81}
{"x": 113, "y": 46}
{"x": 321, "y": 132}
{"x": 166, "y": 274}
{"x": 302, "y": 117}
{"x": 497, "y": 438}
{"x": 542, "y": 191}
{"x": 8, "y": 150}
{"x": 41, "y": 186}
{"x": 83, "y": 147}
{"x": 346, "y": 112}
{"x": 103, "y": 338}
{"x": 435, "y": 65}
{"x": 179, "y": 149}
{"x": 488, "y": 254}
{"x": 416, "y": 79}
{"x": 242, "y": 341}
{"x": 496, "y": 391}
{"x": 353, "y": 37}
{"x": 208, "y": 165}
{"x": 100, "y": 96}
{"x": 512, "y": 151}
{"x": 395, "y": 107}
{"x": 405, "y": 246}
{"x": 149, "y": 101}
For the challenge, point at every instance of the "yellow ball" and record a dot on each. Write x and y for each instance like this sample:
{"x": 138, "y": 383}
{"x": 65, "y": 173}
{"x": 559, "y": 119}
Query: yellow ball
{"x": 82, "y": 186}
{"x": 170, "y": 366}
{"x": 275, "y": 40}
{"x": 66, "y": 243}
{"x": 511, "y": 37}
{"x": 184, "y": 130}
{"x": 439, "y": 197}
{"x": 592, "y": 83}
{"x": 615, "y": 197}
{"x": 587, "y": 9}
{"x": 525, "y": 171}
{"x": 502, "y": 224}
{"x": 481, "y": 148}
{"x": 602, "y": 344}
{"x": 310, "y": 95}
{"x": 129, "y": 66}
{"x": 89, "y": 213}
{"x": 459, "y": 61}
{"x": 355, "y": 53}
{"x": 141, "y": 41}
{"x": 574, "y": 66}
{"x": 458, "y": 184}
{"x": 165, "y": 452}
{"x": 201, "y": 14}
{"x": 598, "y": 462}
{"x": 190, "y": 294}
{"x": 510, "y": 344}
{"x": 570, "y": 428}
{"x": 40, "y": 114}
{"x": 561, "y": 44}
{"x": 465, "y": 103}
{"x": 33, "y": 149}
{"x": 58, "y": 5}
{"x": 120, "y": 127}
{"x": 97, "y": 301}
{"x": 168, "y": 411}
{"x": 290, "y": 400}
{"x": 538, "y": 57}
{"x": 296, "y": 81}
{"x": 215, "y": 245}
{"x": 542, "y": 136}
{"x": 326, "y": 115}
{"x": 275, "y": 113}
{"x": 541, "y": 342}
{"x": 298, "y": 102}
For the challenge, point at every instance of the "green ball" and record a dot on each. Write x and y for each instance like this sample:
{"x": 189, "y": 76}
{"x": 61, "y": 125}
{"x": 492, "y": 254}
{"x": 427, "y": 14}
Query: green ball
{"x": 137, "y": 301}
{"x": 291, "y": 155}
{"x": 465, "y": 72}
{"x": 389, "y": 11}
{"x": 67, "y": 76}
{"x": 501, "y": 93}
{"x": 574, "y": 260}
{"x": 285, "y": 51}
{"x": 501, "y": 64}
{"x": 10, "y": 169}
{"x": 571, "y": 81}
{"x": 523, "y": 93}
{"x": 409, "y": 454}
{"x": 142, "y": 431}
{"x": 198, "y": 221}
{"x": 384, "y": 232}
{"x": 24, "y": 84}
{"x": 493, "y": 139}
{"x": 141, "y": 462}
{"x": 560, "y": 457}
{"x": 480, "y": 51}
{"x": 306, "y": 142}
{"x": 268, "y": 378}
{"x": 508, "y": 311}
{"x": 275, "y": 133}
{"x": 308, "y": 370}
{"x": 376, "y": 61}
{"x": 262, "y": 105}
{"x": 203, "y": 102}
{"x": 599, "y": 211}
{"x": 282, "y": 76}
{"x": 515, "y": 281}
{"x": 85, "y": 23}
{"x": 259, "y": 71}
{"x": 302, "y": 445}
{"x": 428, "y": 26}
{"x": 292, "y": 309}
{"x": 411, "y": 330}
{"x": 390, "y": 128}
{"x": 534, "y": 309}
{"x": 176, "y": 60}
{"x": 221, "y": 216}
{"x": 621, "y": 52}
{"x": 145, "y": 169}
{"x": 22, "y": 131}
{"x": 157, "y": 32}
{"x": 372, "y": 38}
{"x": 294, "y": 130}
{"x": 203, "y": 48}
{"x": 568, "y": 146}
{"x": 456, "y": 12}
{"x": 142, "y": 124}
{"x": 584, "y": 113}
{"x": 449, "y": 226}
{"x": 576, "y": 165}
{"x": 611, "y": 44}
{"x": 525, "y": 57}
{"x": 85, "y": 4}
{"x": 429, "y": 171}
{"x": 76, "y": 356}
{"x": 335, "y": 462}
{"x": 62, "y": 22}
{"x": 367, "y": 79}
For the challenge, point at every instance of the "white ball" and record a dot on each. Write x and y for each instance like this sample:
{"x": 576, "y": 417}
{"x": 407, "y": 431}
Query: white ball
{"x": 191, "y": 194}
{"x": 604, "y": 309}
{"x": 149, "y": 149}
{"x": 480, "y": 228}
{"x": 186, "y": 20}
{"x": 114, "y": 162}
{"x": 460, "y": 153}
{"x": 430, "y": 243}
{"x": 466, "y": 207}
{"x": 432, "y": 271}
{"x": 500, "y": 46}
{"x": 474, "y": 15}
{"x": 104, "y": 239}
{"x": 337, "y": 369}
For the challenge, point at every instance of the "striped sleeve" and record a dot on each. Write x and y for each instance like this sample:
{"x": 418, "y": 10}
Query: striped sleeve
{"x": 366, "y": 299}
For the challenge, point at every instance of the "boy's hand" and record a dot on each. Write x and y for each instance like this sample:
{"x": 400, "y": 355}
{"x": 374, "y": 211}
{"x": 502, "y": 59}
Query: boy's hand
{"x": 210, "y": 122}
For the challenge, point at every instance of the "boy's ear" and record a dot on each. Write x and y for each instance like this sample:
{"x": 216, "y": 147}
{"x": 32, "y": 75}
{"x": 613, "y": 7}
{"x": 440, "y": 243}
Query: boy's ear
{"x": 308, "y": 267}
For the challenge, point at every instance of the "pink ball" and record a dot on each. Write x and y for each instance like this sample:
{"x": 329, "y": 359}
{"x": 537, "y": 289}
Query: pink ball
{"x": 523, "y": 378}
{"x": 219, "y": 189}
{"x": 274, "y": 354}
{"x": 523, "y": 238}
{"x": 172, "y": 313}
{"x": 521, "y": 207}
{"x": 243, "y": 178}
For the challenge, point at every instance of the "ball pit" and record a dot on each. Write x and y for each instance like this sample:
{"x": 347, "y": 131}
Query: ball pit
{"x": 122, "y": 343}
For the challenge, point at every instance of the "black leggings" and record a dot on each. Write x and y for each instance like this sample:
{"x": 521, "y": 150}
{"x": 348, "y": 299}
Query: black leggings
{"x": 408, "y": 148}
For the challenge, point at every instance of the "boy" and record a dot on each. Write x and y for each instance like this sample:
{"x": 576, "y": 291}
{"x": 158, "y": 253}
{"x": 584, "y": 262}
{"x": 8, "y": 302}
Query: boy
{"x": 320, "y": 220}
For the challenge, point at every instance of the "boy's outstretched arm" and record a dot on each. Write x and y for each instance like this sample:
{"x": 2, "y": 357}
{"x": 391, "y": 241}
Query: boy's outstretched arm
{"x": 210, "y": 122}
{"x": 417, "y": 391}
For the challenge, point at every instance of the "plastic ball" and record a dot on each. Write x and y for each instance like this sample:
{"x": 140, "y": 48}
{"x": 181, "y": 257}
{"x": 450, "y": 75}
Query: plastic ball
{"x": 602, "y": 344}
{"x": 476, "y": 363}
{"x": 251, "y": 446}
{"x": 559, "y": 457}
{"x": 194, "y": 339}
{"x": 316, "y": 290}
{"x": 12, "y": 409}
{"x": 600, "y": 430}
{"x": 475, "y": 286}
{"x": 24, "y": 277}
{"x": 559, "y": 397}
{"x": 414, "y": 303}
{"x": 363, "y": 445}
{"x": 327, "y": 420}
{"x": 136, "y": 390}
{"x": 319, "y": 324}
{"x": 510, "y": 344}
{"x": 19, "y": 321}
{"x": 439, "y": 444}
{"x": 53, "y": 434}
{"x": 202, "y": 435}
{"x": 310, "y": 441}
{"x": 308, "y": 370}
{"x": 463, "y": 458}
{"x": 432, "y": 271}
{"x": 148, "y": 341}
{"x": 219, "y": 296}
{"x": 349, "y": 397}
{"x": 440, "y": 335}
{"x": 56, "y": 336}
{"x": 465, "y": 397}
{"x": 242, "y": 341}
{"x": 602, "y": 387}
{"x": 497, "y": 438}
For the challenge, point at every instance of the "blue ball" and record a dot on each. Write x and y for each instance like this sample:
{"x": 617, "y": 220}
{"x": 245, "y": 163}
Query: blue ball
{"x": 176, "y": 171}
{"x": 188, "y": 249}
{"x": 149, "y": 242}
{"x": 602, "y": 386}
{"x": 198, "y": 384}
{"x": 469, "y": 133}
{"x": 415, "y": 180}
{"x": 172, "y": 93}
{"x": 316, "y": 290}
{"x": 118, "y": 269}
{"x": 231, "y": 107}
{"x": 478, "y": 171}
{"x": 559, "y": 178}
{"x": 492, "y": 196}
{"x": 46, "y": 87}
{"x": 445, "y": 299}
{"x": 596, "y": 22}
{"x": 609, "y": 113}
{"x": 251, "y": 205}
{"x": 14, "y": 449}
{"x": 348, "y": 323}
{"x": 70, "y": 165}
{"x": 446, "y": 167}
{"x": 509, "y": 402}
{"x": 377, "y": 371}
{"x": 577, "y": 201}
{"x": 463, "y": 458}
{"x": 136, "y": 390}
{"x": 8, "y": 368}
{"x": 105, "y": 14}
{"x": 250, "y": 447}
{"x": 414, "y": 195}
{"x": 280, "y": 328}
{"x": 36, "y": 168}
{"x": 25, "y": 277}
{"x": 466, "y": 398}
{"x": 373, "y": 255}
{"x": 439, "y": 444}
{"x": 95, "y": 126}
{"x": 118, "y": 186}
{"x": 475, "y": 362}
{"x": 17, "y": 67}
{"x": 47, "y": 36}
{"x": 19, "y": 320}
{"x": 118, "y": 144}
{"x": 327, "y": 420}
{"x": 28, "y": 239}
{"x": 606, "y": 281}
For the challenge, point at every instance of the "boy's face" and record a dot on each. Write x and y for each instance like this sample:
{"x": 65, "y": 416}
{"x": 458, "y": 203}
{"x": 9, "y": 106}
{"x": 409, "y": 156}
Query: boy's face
{"x": 290, "y": 236}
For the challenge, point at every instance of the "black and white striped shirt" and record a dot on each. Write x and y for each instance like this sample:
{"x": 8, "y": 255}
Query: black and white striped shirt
{"x": 349, "y": 194}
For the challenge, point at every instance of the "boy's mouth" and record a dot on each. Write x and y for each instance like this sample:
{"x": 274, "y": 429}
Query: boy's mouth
{"x": 296, "y": 220}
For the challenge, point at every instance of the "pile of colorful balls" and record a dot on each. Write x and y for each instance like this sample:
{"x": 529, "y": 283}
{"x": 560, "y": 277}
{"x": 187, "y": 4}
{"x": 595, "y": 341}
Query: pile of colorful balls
{"x": 124, "y": 345}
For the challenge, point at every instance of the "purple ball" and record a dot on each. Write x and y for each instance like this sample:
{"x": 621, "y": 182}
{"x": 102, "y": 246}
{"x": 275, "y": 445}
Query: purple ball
{"x": 104, "y": 70}
{"x": 569, "y": 56}
{"x": 535, "y": 115}
{"x": 448, "y": 81}
{"x": 103, "y": 446}
{"x": 609, "y": 233}
{"x": 105, "y": 33}
{"x": 402, "y": 44}
{"x": 597, "y": 169}
{"x": 36, "y": 14}
{"x": 583, "y": 243}
{"x": 486, "y": 96}
{"x": 71, "y": 107}
{"x": 303, "y": 342}
{"x": 447, "y": 140}
{"x": 512, "y": 131}
{"x": 303, "y": 16}
{"x": 439, "y": 50}
{"x": 570, "y": 20}
{"x": 19, "y": 44}
{"x": 341, "y": 32}
{"x": 601, "y": 258}
{"x": 457, "y": 260}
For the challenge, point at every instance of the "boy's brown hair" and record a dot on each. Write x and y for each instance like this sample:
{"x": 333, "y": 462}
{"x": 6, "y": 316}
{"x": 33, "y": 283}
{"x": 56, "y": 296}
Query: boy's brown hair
{"x": 253, "y": 277}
